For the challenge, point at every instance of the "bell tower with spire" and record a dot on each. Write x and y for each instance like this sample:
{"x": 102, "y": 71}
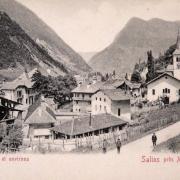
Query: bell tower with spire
{"x": 176, "y": 58}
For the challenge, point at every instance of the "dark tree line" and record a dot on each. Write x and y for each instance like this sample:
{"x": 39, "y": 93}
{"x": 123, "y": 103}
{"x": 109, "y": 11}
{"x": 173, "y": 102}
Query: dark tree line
{"x": 57, "y": 87}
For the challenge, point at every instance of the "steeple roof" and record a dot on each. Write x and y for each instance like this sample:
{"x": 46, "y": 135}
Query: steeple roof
{"x": 178, "y": 41}
{"x": 177, "y": 51}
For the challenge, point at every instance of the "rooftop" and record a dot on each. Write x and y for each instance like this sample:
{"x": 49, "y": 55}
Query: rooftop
{"x": 40, "y": 113}
{"x": 88, "y": 87}
{"x": 81, "y": 125}
{"x": 23, "y": 80}
{"x": 116, "y": 94}
{"x": 167, "y": 74}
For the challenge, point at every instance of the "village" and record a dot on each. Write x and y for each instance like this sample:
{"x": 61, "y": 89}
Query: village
{"x": 99, "y": 108}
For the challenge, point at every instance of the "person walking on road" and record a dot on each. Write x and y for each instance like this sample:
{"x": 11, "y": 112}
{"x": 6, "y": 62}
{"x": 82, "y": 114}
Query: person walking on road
{"x": 104, "y": 146}
{"x": 118, "y": 145}
{"x": 154, "y": 139}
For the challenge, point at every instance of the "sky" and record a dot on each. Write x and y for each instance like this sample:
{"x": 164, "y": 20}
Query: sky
{"x": 91, "y": 25}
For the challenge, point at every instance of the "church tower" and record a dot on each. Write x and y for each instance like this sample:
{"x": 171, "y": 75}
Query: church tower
{"x": 176, "y": 58}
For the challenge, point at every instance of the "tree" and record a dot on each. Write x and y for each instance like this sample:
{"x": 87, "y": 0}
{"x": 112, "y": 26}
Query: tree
{"x": 58, "y": 87}
{"x": 12, "y": 137}
{"x": 136, "y": 77}
{"x": 151, "y": 68}
{"x": 3, "y": 127}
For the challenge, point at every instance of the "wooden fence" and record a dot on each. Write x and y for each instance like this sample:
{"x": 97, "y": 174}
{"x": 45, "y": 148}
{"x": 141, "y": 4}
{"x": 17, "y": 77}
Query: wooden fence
{"x": 94, "y": 143}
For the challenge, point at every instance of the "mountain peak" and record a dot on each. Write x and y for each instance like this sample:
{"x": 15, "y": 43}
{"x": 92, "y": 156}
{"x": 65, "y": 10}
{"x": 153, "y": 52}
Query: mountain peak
{"x": 133, "y": 41}
{"x": 61, "y": 52}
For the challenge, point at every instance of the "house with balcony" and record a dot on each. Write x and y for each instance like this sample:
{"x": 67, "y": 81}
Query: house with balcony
{"x": 9, "y": 111}
{"x": 82, "y": 96}
{"x": 20, "y": 89}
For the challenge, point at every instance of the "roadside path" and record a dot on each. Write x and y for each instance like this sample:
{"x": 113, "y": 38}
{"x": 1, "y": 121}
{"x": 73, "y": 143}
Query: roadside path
{"x": 144, "y": 145}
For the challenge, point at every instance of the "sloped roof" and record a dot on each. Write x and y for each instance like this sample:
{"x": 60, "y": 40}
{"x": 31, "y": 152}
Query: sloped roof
{"x": 33, "y": 107}
{"x": 116, "y": 94}
{"x": 133, "y": 85}
{"x": 88, "y": 88}
{"x": 177, "y": 51}
{"x": 81, "y": 125}
{"x": 39, "y": 113}
{"x": 23, "y": 80}
{"x": 160, "y": 76}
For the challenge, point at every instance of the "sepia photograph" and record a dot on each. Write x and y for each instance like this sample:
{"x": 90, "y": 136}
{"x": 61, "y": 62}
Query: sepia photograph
{"x": 89, "y": 89}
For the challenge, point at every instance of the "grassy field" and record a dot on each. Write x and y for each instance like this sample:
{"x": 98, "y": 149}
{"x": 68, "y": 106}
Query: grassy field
{"x": 171, "y": 145}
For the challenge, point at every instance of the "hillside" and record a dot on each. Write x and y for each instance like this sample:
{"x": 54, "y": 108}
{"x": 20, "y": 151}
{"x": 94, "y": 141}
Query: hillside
{"x": 87, "y": 55}
{"x": 19, "y": 52}
{"x": 133, "y": 42}
{"x": 42, "y": 33}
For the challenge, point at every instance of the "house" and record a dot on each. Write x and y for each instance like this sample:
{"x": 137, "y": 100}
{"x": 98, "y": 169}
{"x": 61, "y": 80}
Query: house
{"x": 112, "y": 101}
{"x": 167, "y": 85}
{"x": 87, "y": 126}
{"x": 20, "y": 89}
{"x": 82, "y": 96}
{"x": 131, "y": 88}
{"x": 9, "y": 111}
{"x": 80, "y": 79}
{"x": 164, "y": 85}
{"x": 40, "y": 118}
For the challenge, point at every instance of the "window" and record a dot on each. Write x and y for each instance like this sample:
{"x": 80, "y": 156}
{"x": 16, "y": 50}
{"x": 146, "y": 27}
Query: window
{"x": 166, "y": 90}
{"x": 83, "y": 96}
{"x": 77, "y": 102}
{"x": 179, "y": 91}
{"x": 104, "y": 99}
{"x": 77, "y": 95}
{"x": 105, "y": 109}
{"x": 100, "y": 107}
{"x": 19, "y": 93}
{"x": 153, "y": 91}
{"x": 119, "y": 111}
{"x": 89, "y": 96}
{"x": 96, "y": 98}
{"x": 79, "y": 110}
{"x": 46, "y": 137}
{"x": 89, "y": 103}
{"x": 178, "y": 59}
{"x": 100, "y": 99}
{"x": 26, "y": 101}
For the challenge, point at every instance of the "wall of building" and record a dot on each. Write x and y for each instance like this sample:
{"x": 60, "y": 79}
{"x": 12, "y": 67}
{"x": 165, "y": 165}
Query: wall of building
{"x": 159, "y": 85}
{"x": 103, "y": 104}
{"x": 10, "y": 94}
{"x": 176, "y": 64}
{"x": 121, "y": 109}
{"x": 82, "y": 102}
{"x": 100, "y": 103}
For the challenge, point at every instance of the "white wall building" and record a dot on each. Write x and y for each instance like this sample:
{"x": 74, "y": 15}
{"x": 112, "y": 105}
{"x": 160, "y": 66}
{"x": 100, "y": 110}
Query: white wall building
{"x": 111, "y": 101}
{"x": 168, "y": 83}
{"x": 164, "y": 85}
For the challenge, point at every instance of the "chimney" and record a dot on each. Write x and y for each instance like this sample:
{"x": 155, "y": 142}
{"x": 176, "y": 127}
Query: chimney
{"x": 26, "y": 73}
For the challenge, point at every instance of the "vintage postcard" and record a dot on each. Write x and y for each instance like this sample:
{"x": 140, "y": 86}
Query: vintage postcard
{"x": 89, "y": 89}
